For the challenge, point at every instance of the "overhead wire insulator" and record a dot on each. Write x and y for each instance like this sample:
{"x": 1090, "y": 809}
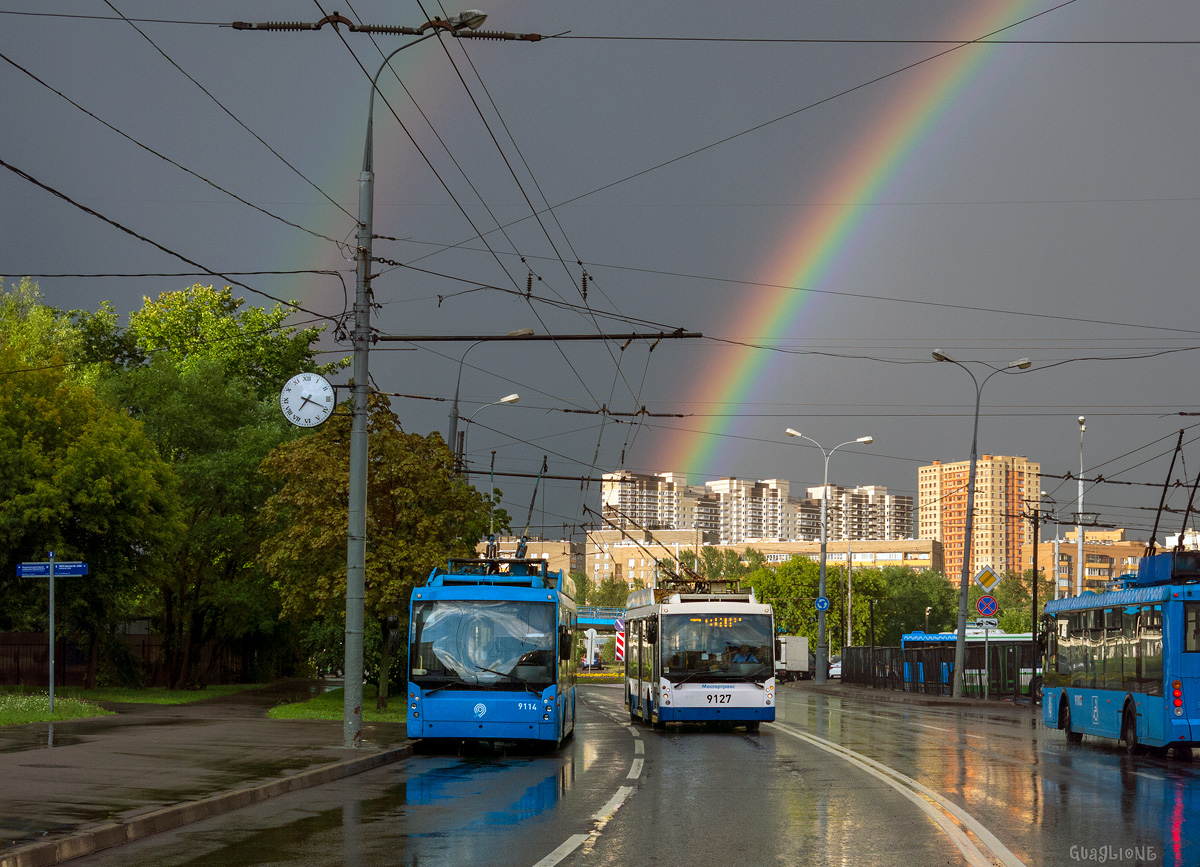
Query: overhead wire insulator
{"x": 499, "y": 34}
{"x": 275, "y": 25}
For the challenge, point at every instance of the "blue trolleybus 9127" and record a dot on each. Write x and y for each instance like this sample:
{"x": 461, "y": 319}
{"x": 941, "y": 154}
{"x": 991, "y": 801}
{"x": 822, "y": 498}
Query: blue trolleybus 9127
{"x": 1125, "y": 664}
{"x": 490, "y": 653}
{"x": 699, "y": 657}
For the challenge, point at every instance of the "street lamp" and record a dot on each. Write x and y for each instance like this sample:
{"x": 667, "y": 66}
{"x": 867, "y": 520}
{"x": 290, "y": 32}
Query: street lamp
{"x": 462, "y": 444}
{"x": 356, "y": 542}
{"x": 451, "y": 440}
{"x": 960, "y": 644}
{"x": 822, "y": 650}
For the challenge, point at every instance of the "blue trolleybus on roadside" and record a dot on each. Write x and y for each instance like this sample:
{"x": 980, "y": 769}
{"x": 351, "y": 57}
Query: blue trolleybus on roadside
{"x": 699, "y": 657}
{"x": 490, "y": 653}
{"x": 1125, "y": 664}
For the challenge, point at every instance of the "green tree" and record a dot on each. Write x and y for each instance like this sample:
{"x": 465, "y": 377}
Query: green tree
{"x": 909, "y": 593}
{"x": 612, "y": 592}
{"x": 583, "y": 588}
{"x": 82, "y": 479}
{"x": 201, "y": 324}
{"x": 202, "y": 371}
{"x": 419, "y": 514}
{"x": 216, "y": 432}
{"x": 791, "y": 590}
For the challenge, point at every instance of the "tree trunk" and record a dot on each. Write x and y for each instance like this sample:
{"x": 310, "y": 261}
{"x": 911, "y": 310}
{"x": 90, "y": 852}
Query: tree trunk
{"x": 385, "y": 664}
{"x": 390, "y": 633}
{"x": 93, "y": 661}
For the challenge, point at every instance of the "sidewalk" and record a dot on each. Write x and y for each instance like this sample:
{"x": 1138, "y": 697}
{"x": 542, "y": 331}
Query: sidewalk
{"x": 81, "y": 786}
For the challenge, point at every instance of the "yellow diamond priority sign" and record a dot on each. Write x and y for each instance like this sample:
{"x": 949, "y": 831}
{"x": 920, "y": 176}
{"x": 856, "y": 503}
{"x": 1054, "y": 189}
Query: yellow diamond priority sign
{"x": 987, "y": 578}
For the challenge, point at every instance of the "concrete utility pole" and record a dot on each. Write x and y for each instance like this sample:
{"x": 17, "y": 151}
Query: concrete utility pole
{"x": 465, "y": 24}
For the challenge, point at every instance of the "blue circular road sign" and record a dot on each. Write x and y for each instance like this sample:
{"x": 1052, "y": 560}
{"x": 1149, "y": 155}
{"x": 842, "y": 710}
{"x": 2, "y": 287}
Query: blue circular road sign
{"x": 822, "y": 603}
{"x": 986, "y": 605}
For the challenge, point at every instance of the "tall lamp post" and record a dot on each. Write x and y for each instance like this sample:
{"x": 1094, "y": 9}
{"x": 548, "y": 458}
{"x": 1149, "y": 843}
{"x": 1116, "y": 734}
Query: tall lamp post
{"x": 452, "y": 439}
{"x": 356, "y": 543}
{"x": 960, "y": 644}
{"x": 822, "y": 650}
{"x": 462, "y": 439}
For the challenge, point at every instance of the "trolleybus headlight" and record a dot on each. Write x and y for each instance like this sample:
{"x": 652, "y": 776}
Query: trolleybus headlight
{"x": 545, "y": 716}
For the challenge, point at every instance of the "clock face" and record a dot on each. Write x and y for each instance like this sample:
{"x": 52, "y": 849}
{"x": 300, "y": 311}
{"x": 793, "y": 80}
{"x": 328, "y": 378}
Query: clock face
{"x": 307, "y": 399}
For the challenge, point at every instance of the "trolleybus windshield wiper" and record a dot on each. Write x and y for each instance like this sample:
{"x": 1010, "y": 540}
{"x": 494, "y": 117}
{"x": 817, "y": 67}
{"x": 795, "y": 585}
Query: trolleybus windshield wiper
{"x": 517, "y": 677}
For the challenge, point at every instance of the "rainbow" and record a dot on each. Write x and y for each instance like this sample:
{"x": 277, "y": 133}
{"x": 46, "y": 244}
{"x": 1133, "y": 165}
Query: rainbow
{"x": 815, "y": 248}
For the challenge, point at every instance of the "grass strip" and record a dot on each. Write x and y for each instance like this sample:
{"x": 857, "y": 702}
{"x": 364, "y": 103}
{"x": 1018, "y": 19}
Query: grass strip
{"x": 22, "y": 708}
{"x": 328, "y": 706}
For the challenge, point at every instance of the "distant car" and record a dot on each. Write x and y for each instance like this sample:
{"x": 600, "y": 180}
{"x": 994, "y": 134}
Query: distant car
{"x": 835, "y": 667}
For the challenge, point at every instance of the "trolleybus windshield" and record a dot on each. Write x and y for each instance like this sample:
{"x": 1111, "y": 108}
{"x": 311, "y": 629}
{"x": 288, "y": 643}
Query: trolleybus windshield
{"x": 482, "y": 644}
{"x": 717, "y": 646}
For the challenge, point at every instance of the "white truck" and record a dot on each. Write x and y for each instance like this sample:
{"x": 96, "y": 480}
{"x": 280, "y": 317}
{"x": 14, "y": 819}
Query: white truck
{"x": 792, "y": 661}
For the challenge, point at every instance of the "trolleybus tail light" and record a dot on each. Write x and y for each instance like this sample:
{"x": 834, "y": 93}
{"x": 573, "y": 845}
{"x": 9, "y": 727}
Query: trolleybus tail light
{"x": 1177, "y": 697}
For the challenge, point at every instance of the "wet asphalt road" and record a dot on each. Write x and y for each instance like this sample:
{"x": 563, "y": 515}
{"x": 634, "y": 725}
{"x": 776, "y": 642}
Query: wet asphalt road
{"x": 813, "y": 788}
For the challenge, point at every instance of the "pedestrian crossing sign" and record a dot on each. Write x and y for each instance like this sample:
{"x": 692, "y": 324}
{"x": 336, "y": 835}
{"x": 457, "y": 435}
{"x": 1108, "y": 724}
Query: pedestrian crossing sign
{"x": 987, "y": 578}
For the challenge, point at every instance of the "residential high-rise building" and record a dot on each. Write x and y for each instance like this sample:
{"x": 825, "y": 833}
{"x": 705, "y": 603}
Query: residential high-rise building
{"x": 732, "y": 511}
{"x": 1002, "y": 486}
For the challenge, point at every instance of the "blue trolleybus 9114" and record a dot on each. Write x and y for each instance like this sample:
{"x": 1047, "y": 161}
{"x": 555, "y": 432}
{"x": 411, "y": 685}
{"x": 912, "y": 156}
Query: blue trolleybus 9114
{"x": 1125, "y": 664}
{"x": 699, "y": 657}
{"x": 490, "y": 653}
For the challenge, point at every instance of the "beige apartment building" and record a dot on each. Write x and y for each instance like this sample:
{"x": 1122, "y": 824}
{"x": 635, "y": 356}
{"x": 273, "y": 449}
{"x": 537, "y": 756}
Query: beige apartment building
{"x": 1002, "y": 486}
{"x": 632, "y": 560}
{"x": 563, "y": 554}
{"x": 1107, "y": 555}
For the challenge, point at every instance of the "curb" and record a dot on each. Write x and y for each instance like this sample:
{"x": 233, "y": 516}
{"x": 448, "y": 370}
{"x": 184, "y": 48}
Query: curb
{"x": 143, "y": 825}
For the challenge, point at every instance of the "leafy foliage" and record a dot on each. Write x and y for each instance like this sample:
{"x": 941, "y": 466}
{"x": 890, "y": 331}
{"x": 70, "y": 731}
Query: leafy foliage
{"x": 201, "y": 324}
{"x": 419, "y": 514}
{"x": 82, "y": 479}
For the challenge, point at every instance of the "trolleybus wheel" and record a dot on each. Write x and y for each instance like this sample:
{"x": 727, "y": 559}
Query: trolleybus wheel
{"x": 1064, "y": 722}
{"x": 1036, "y": 690}
{"x": 752, "y": 727}
{"x": 1129, "y": 733}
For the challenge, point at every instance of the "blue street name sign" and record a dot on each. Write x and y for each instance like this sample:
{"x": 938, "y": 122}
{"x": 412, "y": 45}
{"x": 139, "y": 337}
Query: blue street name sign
{"x": 63, "y": 569}
{"x": 822, "y": 603}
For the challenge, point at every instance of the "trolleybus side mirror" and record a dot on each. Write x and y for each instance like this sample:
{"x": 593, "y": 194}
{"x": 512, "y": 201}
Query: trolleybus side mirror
{"x": 652, "y": 630}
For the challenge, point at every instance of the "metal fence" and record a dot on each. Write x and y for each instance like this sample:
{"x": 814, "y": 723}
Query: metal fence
{"x": 24, "y": 660}
{"x": 1007, "y": 671}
